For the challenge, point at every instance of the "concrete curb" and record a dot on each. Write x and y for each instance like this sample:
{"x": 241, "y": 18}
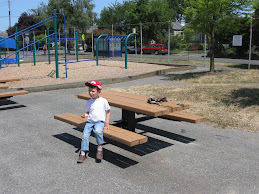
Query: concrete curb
{"x": 103, "y": 81}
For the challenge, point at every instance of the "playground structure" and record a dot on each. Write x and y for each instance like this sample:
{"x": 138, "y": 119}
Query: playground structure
{"x": 12, "y": 41}
{"x": 32, "y": 44}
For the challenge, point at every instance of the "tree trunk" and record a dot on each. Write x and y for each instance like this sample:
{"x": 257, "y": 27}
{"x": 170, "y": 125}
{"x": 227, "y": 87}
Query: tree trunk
{"x": 212, "y": 49}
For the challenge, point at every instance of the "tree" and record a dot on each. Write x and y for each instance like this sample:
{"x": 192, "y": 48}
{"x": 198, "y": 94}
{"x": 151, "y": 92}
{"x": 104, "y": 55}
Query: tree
{"x": 78, "y": 13}
{"x": 256, "y": 26}
{"x": 177, "y": 7}
{"x": 25, "y": 20}
{"x": 153, "y": 14}
{"x": 208, "y": 16}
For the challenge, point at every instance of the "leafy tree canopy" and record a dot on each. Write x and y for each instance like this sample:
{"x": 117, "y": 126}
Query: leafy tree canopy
{"x": 25, "y": 20}
{"x": 153, "y": 14}
{"x": 78, "y": 13}
{"x": 210, "y": 16}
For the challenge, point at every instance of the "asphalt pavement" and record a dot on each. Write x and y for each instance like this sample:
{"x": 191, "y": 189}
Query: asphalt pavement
{"x": 39, "y": 153}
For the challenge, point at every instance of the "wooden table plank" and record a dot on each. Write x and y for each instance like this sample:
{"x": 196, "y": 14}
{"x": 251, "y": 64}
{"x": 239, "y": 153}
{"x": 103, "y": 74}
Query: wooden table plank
{"x": 13, "y": 93}
{"x": 131, "y": 105}
{"x": 3, "y": 86}
{"x": 9, "y": 79}
{"x": 174, "y": 106}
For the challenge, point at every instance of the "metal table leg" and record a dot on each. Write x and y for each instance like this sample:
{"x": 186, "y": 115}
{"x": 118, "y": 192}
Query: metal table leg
{"x": 128, "y": 117}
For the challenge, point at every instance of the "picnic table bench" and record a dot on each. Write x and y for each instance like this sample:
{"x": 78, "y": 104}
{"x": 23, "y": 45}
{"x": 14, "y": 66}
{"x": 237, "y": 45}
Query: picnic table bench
{"x": 115, "y": 133}
{"x": 131, "y": 104}
{"x": 5, "y": 86}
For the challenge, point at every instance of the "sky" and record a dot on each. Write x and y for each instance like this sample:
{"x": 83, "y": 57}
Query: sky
{"x": 20, "y": 6}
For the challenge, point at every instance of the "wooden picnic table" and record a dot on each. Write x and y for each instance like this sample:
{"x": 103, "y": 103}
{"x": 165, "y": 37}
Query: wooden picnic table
{"x": 132, "y": 103}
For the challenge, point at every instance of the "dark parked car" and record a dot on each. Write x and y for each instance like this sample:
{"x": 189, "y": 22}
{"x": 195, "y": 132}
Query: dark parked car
{"x": 156, "y": 49}
{"x": 130, "y": 49}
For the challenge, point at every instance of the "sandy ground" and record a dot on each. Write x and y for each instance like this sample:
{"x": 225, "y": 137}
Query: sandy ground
{"x": 44, "y": 73}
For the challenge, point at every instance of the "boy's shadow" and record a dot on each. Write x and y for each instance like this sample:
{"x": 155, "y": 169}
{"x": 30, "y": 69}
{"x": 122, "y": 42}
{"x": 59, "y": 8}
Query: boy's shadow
{"x": 109, "y": 156}
{"x": 151, "y": 146}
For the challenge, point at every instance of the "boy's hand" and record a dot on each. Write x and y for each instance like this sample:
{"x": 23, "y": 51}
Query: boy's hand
{"x": 106, "y": 126}
{"x": 84, "y": 115}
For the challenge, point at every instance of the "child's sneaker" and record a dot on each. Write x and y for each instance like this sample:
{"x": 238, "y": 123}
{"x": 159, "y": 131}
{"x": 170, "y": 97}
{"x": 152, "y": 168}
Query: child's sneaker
{"x": 99, "y": 154}
{"x": 81, "y": 158}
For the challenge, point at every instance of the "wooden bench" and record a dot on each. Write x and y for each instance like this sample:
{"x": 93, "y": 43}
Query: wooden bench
{"x": 9, "y": 79}
{"x": 187, "y": 117}
{"x": 115, "y": 133}
{"x": 3, "y": 86}
{"x": 13, "y": 93}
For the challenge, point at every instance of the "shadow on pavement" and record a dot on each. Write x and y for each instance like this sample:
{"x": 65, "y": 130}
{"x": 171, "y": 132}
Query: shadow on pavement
{"x": 109, "y": 156}
{"x": 12, "y": 107}
{"x": 4, "y": 101}
{"x": 166, "y": 134}
{"x": 151, "y": 146}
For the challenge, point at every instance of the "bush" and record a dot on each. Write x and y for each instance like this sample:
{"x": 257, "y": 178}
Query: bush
{"x": 175, "y": 42}
{"x": 42, "y": 42}
{"x": 201, "y": 46}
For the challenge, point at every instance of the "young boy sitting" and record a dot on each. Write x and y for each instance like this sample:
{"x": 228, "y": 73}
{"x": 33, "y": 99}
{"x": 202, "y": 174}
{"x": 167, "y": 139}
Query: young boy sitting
{"x": 98, "y": 117}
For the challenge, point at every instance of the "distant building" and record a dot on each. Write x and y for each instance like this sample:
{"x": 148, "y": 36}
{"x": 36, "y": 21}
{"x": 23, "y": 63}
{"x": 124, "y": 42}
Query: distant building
{"x": 3, "y": 34}
{"x": 177, "y": 28}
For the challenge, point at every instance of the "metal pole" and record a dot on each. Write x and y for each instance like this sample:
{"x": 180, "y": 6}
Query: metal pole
{"x": 9, "y": 13}
{"x": 97, "y": 47}
{"x": 168, "y": 55}
{"x": 141, "y": 41}
{"x": 17, "y": 47}
{"x": 92, "y": 44}
{"x": 56, "y": 45}
{"x": 250, "y": 43}
{"x": 76, "y": 47}
{"x": 48, "y": 44}
{"x": 34, "y": 61}
{"x": 75, "y": 40}
{"x": 23, "y": 45}
{"x": 112, "y": 43}
{"x": 126, "y": 53}
{"x": 205, "y": 39}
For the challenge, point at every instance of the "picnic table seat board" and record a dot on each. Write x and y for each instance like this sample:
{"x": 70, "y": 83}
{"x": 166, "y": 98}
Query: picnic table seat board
{"x": 9, "y": 79}
{"x": 12, "y": 93}
{"x": 115, "y": 133}
{"x": 187, "y": 117}
{"x": 3, "y": 86}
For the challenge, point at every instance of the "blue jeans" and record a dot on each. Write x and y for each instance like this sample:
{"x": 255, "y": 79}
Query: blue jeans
{"x": 97, "y": 128}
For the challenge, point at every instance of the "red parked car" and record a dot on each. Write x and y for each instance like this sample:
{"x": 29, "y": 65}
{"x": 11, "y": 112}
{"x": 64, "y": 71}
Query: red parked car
{"x": 156, "y": 49}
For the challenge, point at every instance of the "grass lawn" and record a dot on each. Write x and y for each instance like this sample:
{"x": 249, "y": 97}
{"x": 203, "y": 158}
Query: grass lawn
{"x": 220, "y": 77}
{"x": 222, "y": 98}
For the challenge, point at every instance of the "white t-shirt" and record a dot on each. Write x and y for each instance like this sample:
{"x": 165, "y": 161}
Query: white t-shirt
{"x": 97, "y": 109}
